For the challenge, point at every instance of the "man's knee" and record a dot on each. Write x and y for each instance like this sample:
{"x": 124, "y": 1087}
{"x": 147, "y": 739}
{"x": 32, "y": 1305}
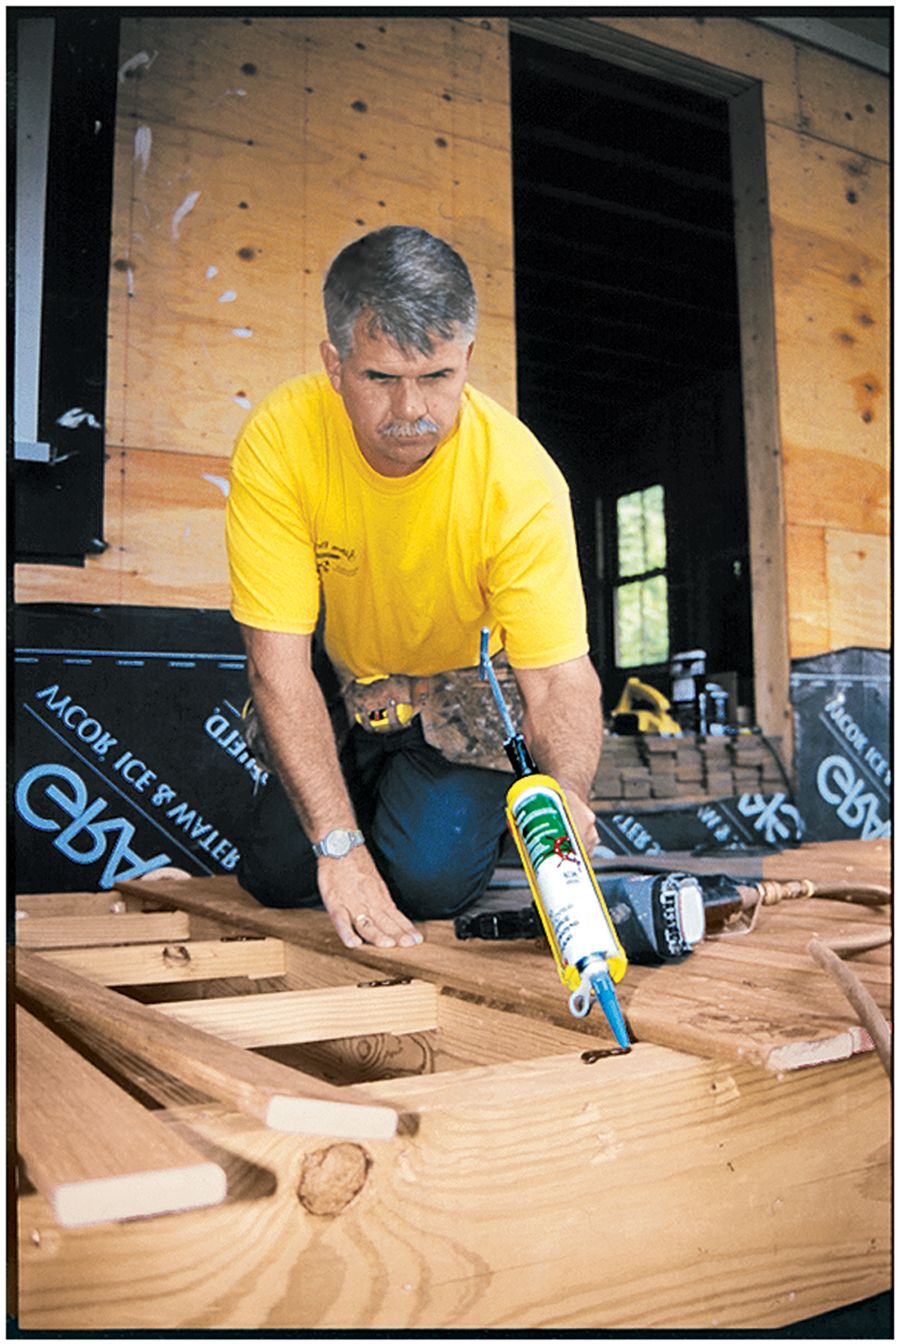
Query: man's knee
{"x": 441, "y": 859}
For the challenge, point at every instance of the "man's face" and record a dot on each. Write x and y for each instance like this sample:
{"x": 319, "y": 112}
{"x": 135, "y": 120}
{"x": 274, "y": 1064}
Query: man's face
{"x": 401, "y": 406}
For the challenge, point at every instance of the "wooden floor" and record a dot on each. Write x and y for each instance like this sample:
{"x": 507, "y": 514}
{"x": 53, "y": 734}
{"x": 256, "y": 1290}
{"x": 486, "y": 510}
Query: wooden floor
{"x": 425, "y": 1138}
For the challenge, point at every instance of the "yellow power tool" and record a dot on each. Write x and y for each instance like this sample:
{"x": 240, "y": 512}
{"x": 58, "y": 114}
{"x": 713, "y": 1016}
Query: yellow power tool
{"x": 643, "y": 709}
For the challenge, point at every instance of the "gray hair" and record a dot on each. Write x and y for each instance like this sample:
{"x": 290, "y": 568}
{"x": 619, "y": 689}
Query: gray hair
{"x": 415, "y": 287}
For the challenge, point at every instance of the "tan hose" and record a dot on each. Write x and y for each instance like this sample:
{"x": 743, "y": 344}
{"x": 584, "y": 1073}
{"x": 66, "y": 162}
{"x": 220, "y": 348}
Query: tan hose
{"x": 870, "y": 1015}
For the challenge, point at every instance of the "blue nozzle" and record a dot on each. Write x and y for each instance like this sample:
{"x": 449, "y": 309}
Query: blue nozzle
{"x": 606, "y": 997}
{"x": 486, "y": 673}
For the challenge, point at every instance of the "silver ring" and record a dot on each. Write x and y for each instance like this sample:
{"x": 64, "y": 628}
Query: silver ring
{"x": 361, "y": 919}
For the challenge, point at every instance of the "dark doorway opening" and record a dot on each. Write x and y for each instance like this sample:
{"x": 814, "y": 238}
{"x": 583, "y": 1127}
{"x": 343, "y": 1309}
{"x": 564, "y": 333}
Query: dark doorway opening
{"x": 629, "y": 353}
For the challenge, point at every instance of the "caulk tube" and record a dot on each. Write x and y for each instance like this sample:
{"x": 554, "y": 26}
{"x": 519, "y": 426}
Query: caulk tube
{"x": 581, "y": 934}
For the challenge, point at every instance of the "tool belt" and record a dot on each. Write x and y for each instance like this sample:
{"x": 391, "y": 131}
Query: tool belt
{"x": 456, "y": 711}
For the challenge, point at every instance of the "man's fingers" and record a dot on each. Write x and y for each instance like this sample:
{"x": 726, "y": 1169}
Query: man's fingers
{"x": 370, "y": 928}
{"x": 343, "y": 927}
{"x": 360, "y": 905}
{"x": 386, "y": 928}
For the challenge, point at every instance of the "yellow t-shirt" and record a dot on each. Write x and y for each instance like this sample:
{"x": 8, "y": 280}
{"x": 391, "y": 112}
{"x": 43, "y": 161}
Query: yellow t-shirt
{"x": 410, "y": 568}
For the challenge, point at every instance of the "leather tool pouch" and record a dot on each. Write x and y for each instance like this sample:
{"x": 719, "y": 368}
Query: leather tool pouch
{"x": 457, "y": 711}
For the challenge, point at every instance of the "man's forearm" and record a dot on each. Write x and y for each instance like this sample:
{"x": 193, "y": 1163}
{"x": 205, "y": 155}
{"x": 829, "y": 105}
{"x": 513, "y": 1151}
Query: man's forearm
{"x": 298, "y": 730}
{"x": 564, "y": 723}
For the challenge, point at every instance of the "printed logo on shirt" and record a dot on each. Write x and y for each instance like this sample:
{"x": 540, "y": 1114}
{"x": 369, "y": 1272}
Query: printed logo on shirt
{"x": 331, "y": 558}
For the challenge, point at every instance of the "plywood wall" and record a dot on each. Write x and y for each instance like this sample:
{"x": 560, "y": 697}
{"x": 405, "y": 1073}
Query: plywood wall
{"x": 827, "y": 161}
{"x": 251, "y": 149}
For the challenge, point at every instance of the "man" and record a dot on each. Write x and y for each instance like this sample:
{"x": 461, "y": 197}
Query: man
{"x": 414, "y": 510}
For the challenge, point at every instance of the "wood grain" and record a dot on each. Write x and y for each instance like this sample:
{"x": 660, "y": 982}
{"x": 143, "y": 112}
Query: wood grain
{"x": 288, "y": 137}
{"x": 46, "y": 931}
{"x": 735, "y": 1004}
{"x": 76, "y": 903}
{"x": 359, "y": 122}
{"x": 275, "y": 1095}
{"x": 721, "y": 1197}
{"x": 295, "y": 1016}
{"x": 520, "y": 1134}
{"x": 94, "y": 1153}
{"x": 175, "y": 962}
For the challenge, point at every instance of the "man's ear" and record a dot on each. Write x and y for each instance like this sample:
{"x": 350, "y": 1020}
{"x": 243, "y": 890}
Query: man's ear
{"x": 332, "y": 361}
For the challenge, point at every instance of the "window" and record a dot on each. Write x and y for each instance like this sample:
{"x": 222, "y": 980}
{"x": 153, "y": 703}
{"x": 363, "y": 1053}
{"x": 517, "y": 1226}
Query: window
{"x": 641, "y": 599}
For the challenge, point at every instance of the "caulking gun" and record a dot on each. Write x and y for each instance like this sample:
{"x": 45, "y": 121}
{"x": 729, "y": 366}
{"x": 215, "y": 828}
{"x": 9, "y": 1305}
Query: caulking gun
{"x": 582, "y": 937}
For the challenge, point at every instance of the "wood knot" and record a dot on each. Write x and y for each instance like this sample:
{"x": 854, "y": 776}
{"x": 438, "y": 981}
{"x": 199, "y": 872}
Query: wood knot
{"x": 332, "y": 1177}
{"x": 177, "y": 952}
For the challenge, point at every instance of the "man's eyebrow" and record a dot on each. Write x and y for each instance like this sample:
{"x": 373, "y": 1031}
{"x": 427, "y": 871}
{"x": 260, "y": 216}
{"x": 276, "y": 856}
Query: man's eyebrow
{"x": 433, "y": 373}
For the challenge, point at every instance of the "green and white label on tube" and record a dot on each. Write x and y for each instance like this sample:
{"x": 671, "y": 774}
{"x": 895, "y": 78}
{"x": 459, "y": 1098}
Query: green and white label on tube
{"x": 566, "y": 887}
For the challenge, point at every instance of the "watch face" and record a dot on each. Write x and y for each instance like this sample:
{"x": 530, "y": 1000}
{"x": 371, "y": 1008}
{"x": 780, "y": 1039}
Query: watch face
{"x": 338, "y": 844}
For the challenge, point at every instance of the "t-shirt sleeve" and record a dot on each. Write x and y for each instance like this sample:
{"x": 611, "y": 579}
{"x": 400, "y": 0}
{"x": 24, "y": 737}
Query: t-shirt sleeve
{"x": 271, "y": 556}
{"x": 534, "y": 587}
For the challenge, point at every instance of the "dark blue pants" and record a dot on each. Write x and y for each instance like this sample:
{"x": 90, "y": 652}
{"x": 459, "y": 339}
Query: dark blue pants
{"x": 433, "y": 828}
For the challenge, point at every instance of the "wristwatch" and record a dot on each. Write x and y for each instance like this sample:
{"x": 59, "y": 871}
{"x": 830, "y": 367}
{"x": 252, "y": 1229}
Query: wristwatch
{"x": 338, "y": 843}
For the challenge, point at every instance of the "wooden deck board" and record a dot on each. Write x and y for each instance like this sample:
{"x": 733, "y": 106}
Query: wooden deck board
{"x": 710, "y": 1197}
{"x": 93, "y": 1170}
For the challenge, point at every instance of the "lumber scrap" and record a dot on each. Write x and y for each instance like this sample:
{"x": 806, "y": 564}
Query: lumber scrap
{"x": 279, "y": 1097}
{"x": 75, "y": 903}
{"x": 95, "y": 1154}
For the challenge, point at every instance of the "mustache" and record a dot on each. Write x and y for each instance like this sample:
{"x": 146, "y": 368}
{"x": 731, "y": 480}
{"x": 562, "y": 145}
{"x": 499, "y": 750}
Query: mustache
{"x": 402, "y": 429}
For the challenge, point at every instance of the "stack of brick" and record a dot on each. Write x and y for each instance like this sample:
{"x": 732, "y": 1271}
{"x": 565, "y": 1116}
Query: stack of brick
{"x": 684, "y": 769}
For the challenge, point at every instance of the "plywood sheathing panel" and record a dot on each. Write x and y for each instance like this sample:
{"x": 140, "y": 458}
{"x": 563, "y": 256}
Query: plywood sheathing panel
{"x": 289, "y": 138}
{"x": 843, "y": 103}
{"x": 829, "y": 212}
{"x": 165, "y": 528}
{"x": 830, "y": 250}
{"x": 248, "y": 152}
{"x": 176, "y": 367}
{"x": 493, "y": 1214}
{"x": 803, "y": 89}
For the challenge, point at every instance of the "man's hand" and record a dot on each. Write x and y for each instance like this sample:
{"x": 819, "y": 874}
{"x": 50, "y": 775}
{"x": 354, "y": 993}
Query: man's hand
{"x": 585, "y": 821}
{"x": 564, "y": 731}
{"x": 359, "y": 904}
